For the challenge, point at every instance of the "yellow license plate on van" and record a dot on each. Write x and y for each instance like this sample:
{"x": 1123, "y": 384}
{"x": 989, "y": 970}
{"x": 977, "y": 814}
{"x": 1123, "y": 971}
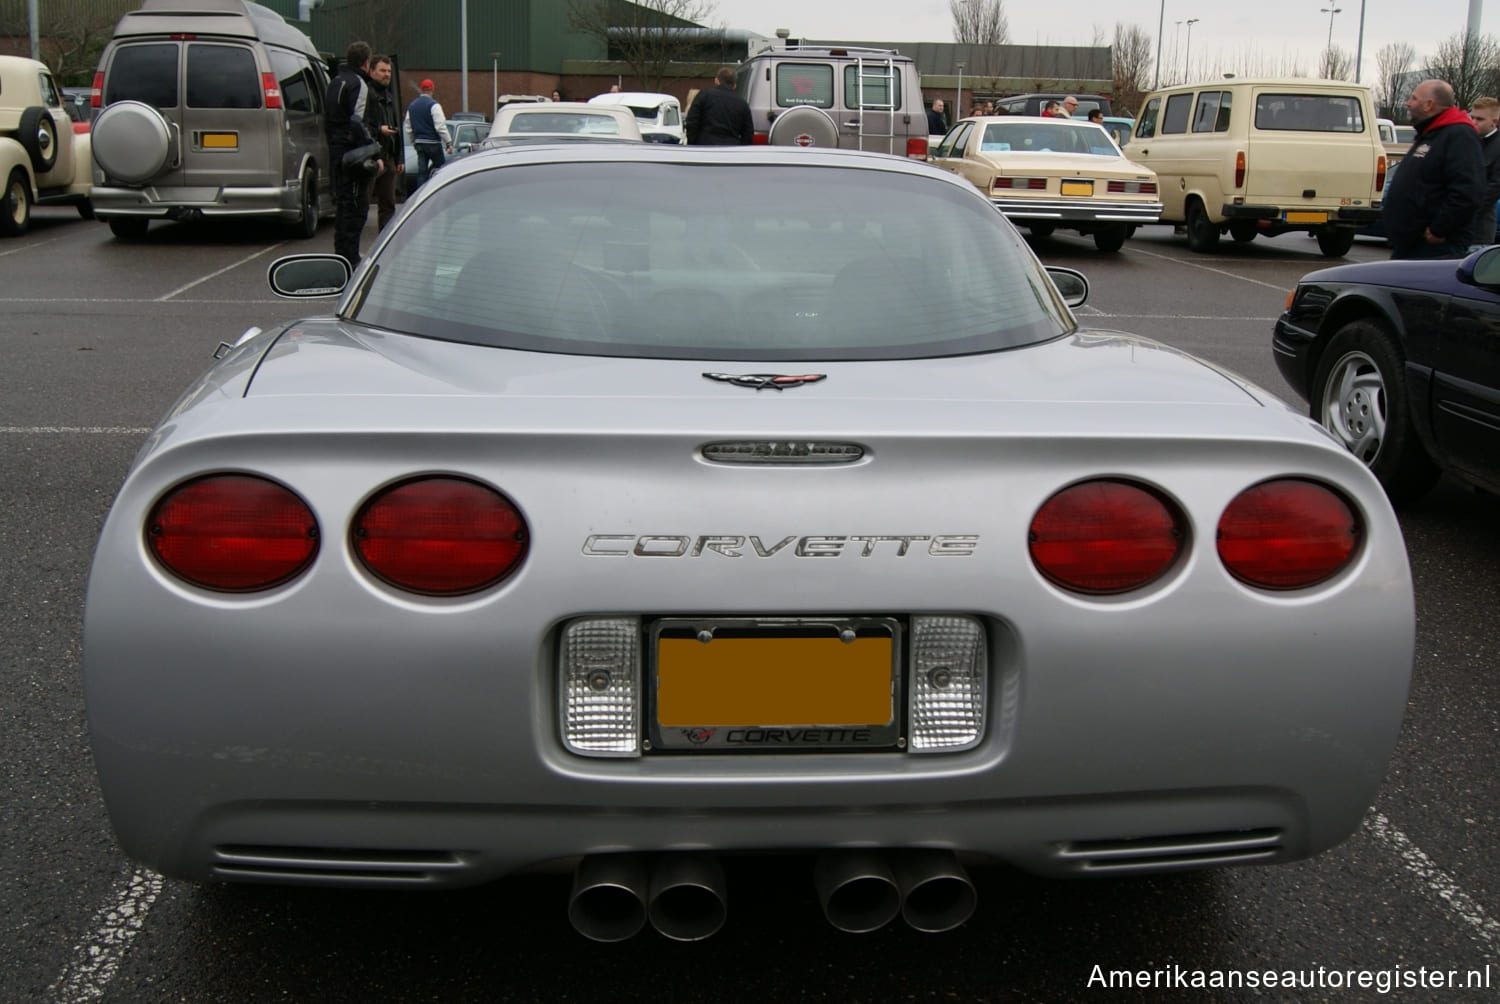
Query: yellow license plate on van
{"x": 220, "y": 141}
{"x": 1306, "y": 217}
{"x": 1078, "y": 188}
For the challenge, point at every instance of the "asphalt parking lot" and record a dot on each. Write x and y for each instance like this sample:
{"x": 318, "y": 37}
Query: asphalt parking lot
{"x": 98, "y": 338}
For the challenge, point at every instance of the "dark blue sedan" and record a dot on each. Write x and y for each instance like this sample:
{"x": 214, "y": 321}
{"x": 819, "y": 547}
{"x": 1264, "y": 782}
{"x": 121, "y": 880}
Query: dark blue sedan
{"x": 1400, "y": 361}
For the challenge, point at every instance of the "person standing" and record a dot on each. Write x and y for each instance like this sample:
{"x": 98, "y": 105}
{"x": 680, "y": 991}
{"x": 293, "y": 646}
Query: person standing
{"x": 427, "y": 130}
{"x": 936, "y": 124}
{"x": 347, "y": 98}
{"x": 719, "y": 116}
{"x": 1431, "y": 203}
{"x": 1069, "y": 106}
{"x": 1486, "y": 115}
{"x": 383, "y": 121}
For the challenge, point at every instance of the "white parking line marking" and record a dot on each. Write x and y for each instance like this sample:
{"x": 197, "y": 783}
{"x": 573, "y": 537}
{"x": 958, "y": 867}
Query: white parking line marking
{"x": 1282, "y": 286}
{"x": 67, "y": 430}
{"x": 29, "y": 247}
{"x": 97, "y": 959}
{"x": 226, "y": 268}
{"x": 1484, "y": 927}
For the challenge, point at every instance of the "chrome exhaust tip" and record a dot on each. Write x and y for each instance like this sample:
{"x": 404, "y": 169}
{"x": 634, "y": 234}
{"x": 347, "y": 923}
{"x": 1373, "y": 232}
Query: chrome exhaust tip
{"x": 608, "y": 902}
{"x": 857, "y": 890}
{"x": 936, "y": 893}
{"x": 687, "y": 899}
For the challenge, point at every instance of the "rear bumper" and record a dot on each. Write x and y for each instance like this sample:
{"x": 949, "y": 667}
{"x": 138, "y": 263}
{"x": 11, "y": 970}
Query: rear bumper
{"x": 1360, "y": 215}
{"x": 177, "y": 201}
{"x": 1072, "y": 210}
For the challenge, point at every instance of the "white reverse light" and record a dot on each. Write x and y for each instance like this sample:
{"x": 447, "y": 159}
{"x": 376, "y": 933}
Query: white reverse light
{"x": 948, "y": 667}
{"x": 601, "y": 691}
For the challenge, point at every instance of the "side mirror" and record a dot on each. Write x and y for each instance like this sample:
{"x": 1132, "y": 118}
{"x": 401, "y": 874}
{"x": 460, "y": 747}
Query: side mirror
{"x": 305, "y": 275}
{"x": 1071, "y": 285}
{"x": 1482, "y": 268}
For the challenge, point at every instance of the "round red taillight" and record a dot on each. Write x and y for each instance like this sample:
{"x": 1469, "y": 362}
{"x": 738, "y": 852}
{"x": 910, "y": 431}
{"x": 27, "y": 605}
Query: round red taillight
{"x": 232, "y": 532}
{"x": 441, "y": 536}
{"x": 1287, "y": 534}
{"x": 1105, "y": 537}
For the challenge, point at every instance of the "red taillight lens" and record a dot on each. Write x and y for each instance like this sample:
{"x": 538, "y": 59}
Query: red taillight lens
{"x": 1287, "y": 534}
{"x": 1117, "y": 187}
{"x": 1148, "y": 188}
{"x": 272, "y": 88}
{"x": 1105, "y": 537}
{"x": 760, "y": 139}
{"x": 916, "y": 146}
{"x": 96, "y": 93}
{"x": 233, "y": 532}
{"x": 1239, "y": 169}
{"x": 1380, "y": 169}
{"x": 442, "y": 536}
{"x": 1038, "y": 184}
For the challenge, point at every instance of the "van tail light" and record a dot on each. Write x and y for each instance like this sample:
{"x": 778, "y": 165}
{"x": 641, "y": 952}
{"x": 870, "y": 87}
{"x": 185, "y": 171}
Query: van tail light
{"x": 760, "y": 139}
{"x": 440, "y": 536}
{"x": 232, "y": 533}
{"x": 272, "y": 87}
{"x": 1105, "y": 536}
{"x": 1239, "y": 169}
{"x": 916, "y": 147}
{"x": 96, "y": 93}
{"x": 1380, "y": 168}
{"x": 1287, "y": 534}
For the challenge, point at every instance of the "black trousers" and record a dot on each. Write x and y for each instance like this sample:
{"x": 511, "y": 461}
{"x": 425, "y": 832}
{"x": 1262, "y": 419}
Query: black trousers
{"x": 351, "y": 205}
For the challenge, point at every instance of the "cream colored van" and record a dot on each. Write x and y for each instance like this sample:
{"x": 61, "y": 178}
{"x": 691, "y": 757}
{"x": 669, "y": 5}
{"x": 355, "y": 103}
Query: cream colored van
{"x": 1264, "y": 157}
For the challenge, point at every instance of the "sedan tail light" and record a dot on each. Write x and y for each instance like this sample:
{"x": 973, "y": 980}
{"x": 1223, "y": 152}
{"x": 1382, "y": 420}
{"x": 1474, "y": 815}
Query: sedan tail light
{"x": 1287, "y": 534}
{"x": 1105, "y": 537}
{"x": 233, "y": 533}
{"x": 440, "y": 536}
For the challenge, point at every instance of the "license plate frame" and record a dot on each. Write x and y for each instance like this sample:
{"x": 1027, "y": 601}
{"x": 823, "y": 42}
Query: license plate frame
{"x": 1304, "y": 216}
{"x": 225, "y": 141}
{"x": 859, "y": 661}
{"x": 1072, "y": 187}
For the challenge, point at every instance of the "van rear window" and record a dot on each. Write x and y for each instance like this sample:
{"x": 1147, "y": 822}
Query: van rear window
{"x": 1309, "y": 112}
{"x": 145, "y": 73}
{"x": 874, "y": 85}
{"x": 804, "y": 84}
{"x": 222, "y": 76}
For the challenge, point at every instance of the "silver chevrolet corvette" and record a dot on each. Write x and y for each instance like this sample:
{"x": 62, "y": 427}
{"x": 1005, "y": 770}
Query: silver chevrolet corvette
{"x": 639, "y": 507}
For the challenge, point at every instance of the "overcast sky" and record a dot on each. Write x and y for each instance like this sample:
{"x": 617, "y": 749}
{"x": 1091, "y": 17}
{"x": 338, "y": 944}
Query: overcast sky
{"x": 1225, "y": 30}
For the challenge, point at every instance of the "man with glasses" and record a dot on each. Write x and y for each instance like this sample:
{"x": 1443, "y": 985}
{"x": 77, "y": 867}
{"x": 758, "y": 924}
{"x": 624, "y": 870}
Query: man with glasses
{"x": 1069, "y": 106}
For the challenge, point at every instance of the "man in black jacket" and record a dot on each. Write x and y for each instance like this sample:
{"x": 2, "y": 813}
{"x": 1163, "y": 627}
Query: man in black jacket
{"x": 1486, "y": 115}
{"x": 1431, "y": 202}
{"x": 384, "y": 122}
{"x": 720, "y": 117}
{"x": 348, "y": 95}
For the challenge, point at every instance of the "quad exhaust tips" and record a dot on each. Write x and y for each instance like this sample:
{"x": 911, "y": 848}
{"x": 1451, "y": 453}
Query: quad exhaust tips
{"x": 614, "y": 895}
{"x": 862, "y": 891}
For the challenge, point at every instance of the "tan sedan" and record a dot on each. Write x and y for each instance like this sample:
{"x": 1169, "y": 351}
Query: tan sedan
{"x": 1047, "y": 173}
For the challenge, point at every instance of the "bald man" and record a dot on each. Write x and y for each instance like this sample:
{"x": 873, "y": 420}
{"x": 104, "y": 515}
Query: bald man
{"x": 1431, "y": 203}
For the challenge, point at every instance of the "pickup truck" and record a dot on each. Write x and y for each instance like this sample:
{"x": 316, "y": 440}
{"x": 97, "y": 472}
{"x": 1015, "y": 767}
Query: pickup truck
{"x": 43, "y": 161}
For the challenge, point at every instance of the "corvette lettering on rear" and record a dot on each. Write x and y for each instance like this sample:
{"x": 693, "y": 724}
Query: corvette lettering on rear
{"x": 669, "y": 545}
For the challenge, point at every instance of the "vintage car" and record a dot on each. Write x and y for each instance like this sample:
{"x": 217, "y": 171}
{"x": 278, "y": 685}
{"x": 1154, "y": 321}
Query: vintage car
{"x": 1400, "y": 362}
{"x": 1047, "y": 173}
{"x": 566, "y": 119}
{"x": 42, "y": 160}
{"x": 639, "y": 505}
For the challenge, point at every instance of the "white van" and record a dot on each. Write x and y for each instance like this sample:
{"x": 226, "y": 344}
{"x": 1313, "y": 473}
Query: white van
{"x": 1263, "y": 157}
{"x": 658, "y": 115}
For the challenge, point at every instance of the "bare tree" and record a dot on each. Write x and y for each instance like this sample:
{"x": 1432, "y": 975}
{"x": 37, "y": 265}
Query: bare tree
{"x": 71, "y": 33}
{"x": 1470, "y": 63}
{"x": 382, "y": 23}
{"x": 1335, "y": 64}
{"x": 648, "y": 35}
{"x": 1393, "y": 66}
{"x": 979, "y": 22}
{"x": 1131, "y": 59}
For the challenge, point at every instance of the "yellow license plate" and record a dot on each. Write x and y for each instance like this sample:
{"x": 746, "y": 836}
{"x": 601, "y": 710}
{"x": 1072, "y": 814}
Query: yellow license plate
{"x": 220, "y": 141}
{"x": 1292, "y": 217}
{"x": 773, "y": 682}
{"x": 1078, "y": 188}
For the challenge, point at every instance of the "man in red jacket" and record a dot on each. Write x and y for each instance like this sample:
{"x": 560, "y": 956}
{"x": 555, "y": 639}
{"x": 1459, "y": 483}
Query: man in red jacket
{"x": 1430, "y": 204}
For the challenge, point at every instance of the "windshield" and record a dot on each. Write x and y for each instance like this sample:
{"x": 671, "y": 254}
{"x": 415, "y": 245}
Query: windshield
{"x": 711, "y": 261}
{"x": 1037, "y": 137}
{"x": 565, "y": 122}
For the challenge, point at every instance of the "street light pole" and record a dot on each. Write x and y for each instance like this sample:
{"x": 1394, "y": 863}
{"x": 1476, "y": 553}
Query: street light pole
{"x": 958, "y": 100}
{"x": 1330, "y": 11}
{"x": 1187, "y": 63}
{"x": 463, "y": 44}
{"x": 1161, "y": 21}
{"x": 494, "y": 82}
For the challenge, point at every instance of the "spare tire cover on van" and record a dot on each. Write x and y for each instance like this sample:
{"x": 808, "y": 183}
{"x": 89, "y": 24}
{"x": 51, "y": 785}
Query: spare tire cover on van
{"x": 131, "y": 141}
{"x": 804, "y": 126}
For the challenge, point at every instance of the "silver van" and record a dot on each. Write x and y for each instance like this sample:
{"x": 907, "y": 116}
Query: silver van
{"x": 209, "y": 108}
{"x": 835, "y": 96}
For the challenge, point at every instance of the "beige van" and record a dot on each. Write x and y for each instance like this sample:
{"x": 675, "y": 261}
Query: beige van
{"x": 1264, "y": 157}
{"x": 209, "y": 108}
{"x": 840, "y": 96}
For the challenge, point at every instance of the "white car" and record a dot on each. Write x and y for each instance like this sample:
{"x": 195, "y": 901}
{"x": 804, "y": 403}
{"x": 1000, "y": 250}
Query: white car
{"x": 563, "y": 120}
{"x": 658, "y": 115}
